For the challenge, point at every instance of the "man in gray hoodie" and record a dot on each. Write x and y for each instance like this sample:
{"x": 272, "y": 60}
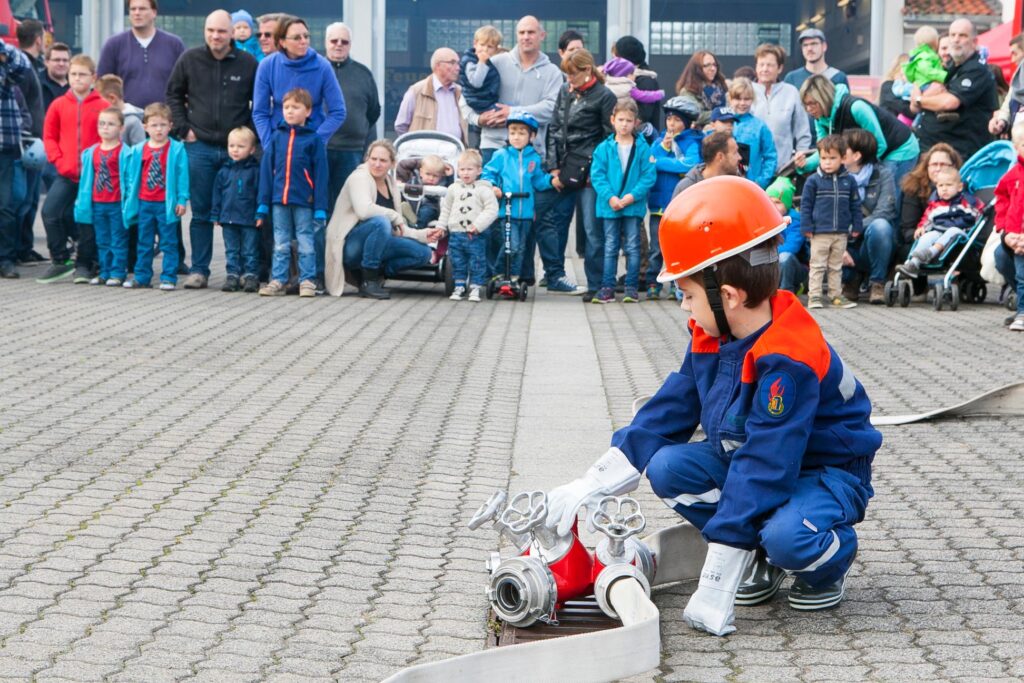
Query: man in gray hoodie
{"x": 529, "y": 82}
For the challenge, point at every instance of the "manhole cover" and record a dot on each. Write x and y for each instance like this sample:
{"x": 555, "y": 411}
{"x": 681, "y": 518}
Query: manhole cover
{"x": 577, "y": 616}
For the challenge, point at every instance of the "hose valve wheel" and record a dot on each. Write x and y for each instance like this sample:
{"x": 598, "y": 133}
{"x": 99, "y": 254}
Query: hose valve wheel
{"x": 489, "y": 511}
{"x": 618, "y": 518}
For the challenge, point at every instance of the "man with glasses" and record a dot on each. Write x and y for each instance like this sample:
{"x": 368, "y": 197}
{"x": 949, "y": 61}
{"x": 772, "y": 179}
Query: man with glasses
{"x": 265, "y": 34}
{"x": 142, "y": 56}
{"x": 362, "y": 109}
{"x": 433, "y": 103}
{"x": 813, "y": 46}
{"x": 970, "y": 94}
{"x": 209, "y": 94}
{"x": 55, "y": 79}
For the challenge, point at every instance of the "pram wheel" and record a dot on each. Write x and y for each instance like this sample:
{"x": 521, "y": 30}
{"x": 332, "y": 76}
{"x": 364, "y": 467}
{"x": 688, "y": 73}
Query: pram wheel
{"x": 980, "y": 293}
{"x": 906, "y": 293}
{"x": 490, "y": 289}
{"x": 940, "y": 291}
{"x": 1011, "y": 301}
{"x": 891, "y": 294}
{"x": 954, "y": 296}
{"x": 524, "y": 289}
{"x": 449, "y": 277}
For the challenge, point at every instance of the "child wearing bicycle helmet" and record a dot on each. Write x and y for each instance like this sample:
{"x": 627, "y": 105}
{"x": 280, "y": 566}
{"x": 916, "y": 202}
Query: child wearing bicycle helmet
{"x": 675, "y": 153}
{"x": 516, "y": 168}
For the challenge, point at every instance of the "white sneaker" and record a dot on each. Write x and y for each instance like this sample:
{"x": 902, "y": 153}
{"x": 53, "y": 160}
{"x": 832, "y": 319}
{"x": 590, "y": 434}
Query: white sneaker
{"x": 458, "y": 294}
{"x": 474, "y": 294}
{"x": 114, "y": 282}
{"x": 167, "y": 286}
{"x": 1018, "y": 324}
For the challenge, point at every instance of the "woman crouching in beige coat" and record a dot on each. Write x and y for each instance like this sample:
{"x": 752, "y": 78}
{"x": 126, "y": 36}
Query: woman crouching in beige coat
{"x": 367, "y": 238}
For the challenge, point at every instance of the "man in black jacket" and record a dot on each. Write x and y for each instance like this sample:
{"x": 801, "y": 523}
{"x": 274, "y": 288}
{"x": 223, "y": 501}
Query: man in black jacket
{"x": 362, "y": 104}
{"x": 30, "y": 42}
{"x": 970, "y": 93}
{"x": 209, "y": 94}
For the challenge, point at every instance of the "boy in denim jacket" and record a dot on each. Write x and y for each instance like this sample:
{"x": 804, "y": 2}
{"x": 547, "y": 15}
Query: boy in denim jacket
{"x": 234, "y": 210}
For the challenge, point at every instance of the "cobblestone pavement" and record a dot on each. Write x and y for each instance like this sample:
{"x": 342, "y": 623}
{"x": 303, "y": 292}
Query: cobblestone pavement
{"x": 202, "y": 486}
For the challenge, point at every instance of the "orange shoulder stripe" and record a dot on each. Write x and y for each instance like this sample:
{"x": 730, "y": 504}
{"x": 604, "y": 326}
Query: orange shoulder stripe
{"x": 794, "y": 333}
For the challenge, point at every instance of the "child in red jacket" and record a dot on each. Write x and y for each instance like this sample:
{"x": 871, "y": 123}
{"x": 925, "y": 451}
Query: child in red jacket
{"x": 70, "y": 128}
{"x": 1009, "y": 217}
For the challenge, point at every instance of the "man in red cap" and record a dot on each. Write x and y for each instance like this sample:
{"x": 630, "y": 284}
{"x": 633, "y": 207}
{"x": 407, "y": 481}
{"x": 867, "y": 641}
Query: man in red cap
{"x": 785, "y": 470}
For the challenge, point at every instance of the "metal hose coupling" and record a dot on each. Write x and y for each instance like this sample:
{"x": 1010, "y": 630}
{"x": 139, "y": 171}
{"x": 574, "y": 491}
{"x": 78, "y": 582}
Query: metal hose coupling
{"x": 522, "y": 591}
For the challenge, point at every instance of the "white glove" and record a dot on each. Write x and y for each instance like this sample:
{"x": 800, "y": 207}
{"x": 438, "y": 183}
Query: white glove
{"x": 611, "y": 475}
{"x": 711, "y": 607}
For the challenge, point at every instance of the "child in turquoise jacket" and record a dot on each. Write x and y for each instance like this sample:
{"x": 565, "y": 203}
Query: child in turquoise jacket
{"x": 158, "y": 191}
{"x": 515, "y": 169}
{"x": 623, "y": 172}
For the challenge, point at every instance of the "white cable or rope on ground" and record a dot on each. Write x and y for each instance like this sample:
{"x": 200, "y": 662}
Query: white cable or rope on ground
{"x": 631, "y": 649}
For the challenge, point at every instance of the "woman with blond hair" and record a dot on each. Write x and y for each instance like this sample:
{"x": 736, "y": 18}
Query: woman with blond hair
{"x": 835, "y": 110}
{"x": 367, "y": 238}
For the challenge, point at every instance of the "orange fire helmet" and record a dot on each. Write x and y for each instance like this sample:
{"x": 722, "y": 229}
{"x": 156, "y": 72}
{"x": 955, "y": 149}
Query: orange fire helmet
{"x": 713, "y": 220}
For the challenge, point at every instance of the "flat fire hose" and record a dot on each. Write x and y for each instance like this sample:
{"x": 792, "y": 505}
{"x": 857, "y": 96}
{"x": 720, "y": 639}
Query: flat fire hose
{"x": 1004, "y": 401}
{"x": 631, "y": 649}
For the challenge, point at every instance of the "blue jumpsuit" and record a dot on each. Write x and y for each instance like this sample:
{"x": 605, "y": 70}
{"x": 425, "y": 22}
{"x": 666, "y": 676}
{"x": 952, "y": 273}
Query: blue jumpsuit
{"x": 786, "y": 464}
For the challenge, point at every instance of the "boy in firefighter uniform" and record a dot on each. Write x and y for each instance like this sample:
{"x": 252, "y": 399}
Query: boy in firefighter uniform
{"x": 785, "y": 469}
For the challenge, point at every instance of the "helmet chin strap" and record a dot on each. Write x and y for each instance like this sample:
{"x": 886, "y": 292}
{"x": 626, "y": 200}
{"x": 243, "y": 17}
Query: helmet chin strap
{"x": 715, "y": 301}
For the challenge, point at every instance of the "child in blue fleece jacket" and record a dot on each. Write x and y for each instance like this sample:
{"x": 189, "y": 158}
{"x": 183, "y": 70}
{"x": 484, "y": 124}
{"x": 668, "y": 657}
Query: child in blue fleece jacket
{"x": 293, "y": 179}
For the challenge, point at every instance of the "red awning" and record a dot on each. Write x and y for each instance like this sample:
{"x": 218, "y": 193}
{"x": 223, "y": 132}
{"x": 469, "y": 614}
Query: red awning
{"x": 998, "y": 43}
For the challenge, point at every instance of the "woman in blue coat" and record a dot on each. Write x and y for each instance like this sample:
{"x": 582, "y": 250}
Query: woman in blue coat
{"x": 296, "y": 65}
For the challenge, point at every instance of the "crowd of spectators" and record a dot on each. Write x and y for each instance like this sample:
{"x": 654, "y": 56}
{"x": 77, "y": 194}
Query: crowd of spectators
{"x": 601, "y": 139}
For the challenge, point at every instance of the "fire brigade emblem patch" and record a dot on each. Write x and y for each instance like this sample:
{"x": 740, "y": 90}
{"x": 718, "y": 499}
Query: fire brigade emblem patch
{"x": 778, "y": 392}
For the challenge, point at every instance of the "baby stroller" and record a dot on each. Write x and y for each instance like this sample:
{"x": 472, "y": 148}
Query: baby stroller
{"x": 410, "y": 148}
{"x": 959, "y": 264}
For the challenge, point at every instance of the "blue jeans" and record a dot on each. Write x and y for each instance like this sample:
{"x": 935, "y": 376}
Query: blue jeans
{"x": 111, "y": 239}
{"x": 204, "y": 160}
{"x": 873, "y": 252}
{"x": 59, "y": 217}
{"x": 554, "y": 214}
{"x": 27, "y": 212}
{"x": 654, "y": 260}
{"x": 340, "y": 164}
{"x": 621, "y": 232}
{"x": 899, "y": 170}
{"x": 9, "y": 228}
{"x": 800, "y": 536}
{"x": 371, "y": 246}
{"x": 293, "y": 222}
{"x": 153, "y": 222}
{"x": 1005, "y": 265}
{"x": 241, "y": 249}
{"x": 469, "y": 258}
{"x": 790, "y": 271}
{"x": 1018, "y": 271}
{"x": 496, "y": 240}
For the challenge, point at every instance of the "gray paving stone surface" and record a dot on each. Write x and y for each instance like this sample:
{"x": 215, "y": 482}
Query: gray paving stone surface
{"x": 212, "y": 487}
